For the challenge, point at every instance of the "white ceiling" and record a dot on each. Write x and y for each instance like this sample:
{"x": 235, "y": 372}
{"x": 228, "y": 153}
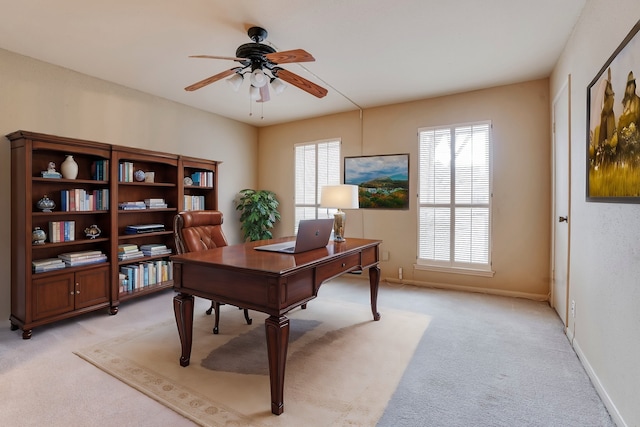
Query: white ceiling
{"x": 368, "y": 52}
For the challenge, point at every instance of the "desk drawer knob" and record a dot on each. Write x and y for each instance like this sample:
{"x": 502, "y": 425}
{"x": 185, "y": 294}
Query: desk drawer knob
{"x": 343, "y": 264}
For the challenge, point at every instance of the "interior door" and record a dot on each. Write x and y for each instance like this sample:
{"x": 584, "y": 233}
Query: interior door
{"x": 561, "y": 202}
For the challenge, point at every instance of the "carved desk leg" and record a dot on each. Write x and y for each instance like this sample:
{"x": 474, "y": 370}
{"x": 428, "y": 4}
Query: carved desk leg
{"x": 374, "y": 282}
{"x": 277, "y": 329}
{"x": 183, "y": 310}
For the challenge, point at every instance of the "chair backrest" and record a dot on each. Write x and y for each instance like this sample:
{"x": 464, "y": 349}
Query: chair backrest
{"x": 198, "y": 230}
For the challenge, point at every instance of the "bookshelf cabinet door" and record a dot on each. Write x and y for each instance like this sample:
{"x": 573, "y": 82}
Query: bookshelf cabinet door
{"x": 53, "y": 296}
{"x": 91, "y": 287}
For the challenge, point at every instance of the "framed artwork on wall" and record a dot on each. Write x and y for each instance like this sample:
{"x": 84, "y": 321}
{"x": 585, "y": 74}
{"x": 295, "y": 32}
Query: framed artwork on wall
{"x": 383, "y": 181}
{"x": 613, "y": 126}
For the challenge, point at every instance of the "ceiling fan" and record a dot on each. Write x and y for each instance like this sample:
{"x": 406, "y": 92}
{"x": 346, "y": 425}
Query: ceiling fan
{"x": 261, "y": 62}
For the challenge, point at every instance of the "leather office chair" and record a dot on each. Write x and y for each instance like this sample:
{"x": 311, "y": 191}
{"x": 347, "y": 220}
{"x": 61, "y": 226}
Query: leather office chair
{"x": 198, "y": 231}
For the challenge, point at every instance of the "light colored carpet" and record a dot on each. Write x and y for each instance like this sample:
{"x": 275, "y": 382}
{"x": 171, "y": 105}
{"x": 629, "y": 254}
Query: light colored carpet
{"x": 342, "y": 367}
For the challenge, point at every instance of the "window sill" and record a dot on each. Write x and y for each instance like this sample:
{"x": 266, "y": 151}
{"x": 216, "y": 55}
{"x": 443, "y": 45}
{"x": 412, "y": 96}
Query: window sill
{"x": 455, "y": 270}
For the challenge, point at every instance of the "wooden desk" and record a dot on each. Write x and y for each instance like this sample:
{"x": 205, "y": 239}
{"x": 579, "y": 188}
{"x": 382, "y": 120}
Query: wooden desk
{"x": 268, "y": 282}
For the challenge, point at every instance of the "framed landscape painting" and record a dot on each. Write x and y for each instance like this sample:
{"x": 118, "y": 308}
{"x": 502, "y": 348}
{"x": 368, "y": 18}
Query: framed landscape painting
{"x": 383, "y": 181}
{"x": 613, "y": 126}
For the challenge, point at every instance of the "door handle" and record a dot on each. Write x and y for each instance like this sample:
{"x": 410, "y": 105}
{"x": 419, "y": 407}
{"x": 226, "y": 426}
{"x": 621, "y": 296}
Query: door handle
{"x": 563, "y": 219}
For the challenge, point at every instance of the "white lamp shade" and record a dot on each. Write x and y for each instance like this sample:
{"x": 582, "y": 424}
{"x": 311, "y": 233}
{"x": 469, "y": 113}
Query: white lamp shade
{"x": 339, "y": 197}
{"x": 258, "y": 78}
{"x": 235, "y": 81}
{"x": 254, "y": 93}
{"x": 277, "y": 86}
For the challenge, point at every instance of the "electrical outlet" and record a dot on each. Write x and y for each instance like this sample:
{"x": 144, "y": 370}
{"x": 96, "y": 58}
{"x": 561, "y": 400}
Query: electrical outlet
{"x": 573, "y": 308}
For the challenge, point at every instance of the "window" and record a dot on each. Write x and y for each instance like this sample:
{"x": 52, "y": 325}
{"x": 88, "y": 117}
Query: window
{"x": 317, "y": 165}
{"x": 455, "y": 197}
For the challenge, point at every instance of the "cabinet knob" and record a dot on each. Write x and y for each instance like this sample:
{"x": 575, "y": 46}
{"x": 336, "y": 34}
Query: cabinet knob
{"x": 343, "y": 264}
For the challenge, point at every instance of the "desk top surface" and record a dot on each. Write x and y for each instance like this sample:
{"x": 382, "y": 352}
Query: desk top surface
{"x": 245, "y": 257}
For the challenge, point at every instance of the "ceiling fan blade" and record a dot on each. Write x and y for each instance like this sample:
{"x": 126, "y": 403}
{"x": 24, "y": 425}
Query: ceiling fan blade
{"x": 231, "y": 58}
{"x": 264, "y": 94}
{"x": 289, "y": 56}
{"x": 301, "y": 83}
{"x": 210, "y": 80}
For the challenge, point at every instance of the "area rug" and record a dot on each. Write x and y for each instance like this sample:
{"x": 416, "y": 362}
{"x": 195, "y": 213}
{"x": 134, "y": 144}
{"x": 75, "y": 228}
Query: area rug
{"x": 342, "y": 367}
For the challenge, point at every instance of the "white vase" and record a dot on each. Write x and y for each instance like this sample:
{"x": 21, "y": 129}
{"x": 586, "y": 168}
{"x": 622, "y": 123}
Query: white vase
{"x": 69, "y": 168}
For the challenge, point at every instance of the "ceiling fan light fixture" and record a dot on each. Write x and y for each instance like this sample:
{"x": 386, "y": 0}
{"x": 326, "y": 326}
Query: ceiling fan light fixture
{"x": 277, "y": 86}
{"x": 235, "y": 81}
{"x": 254, "y": 93}
{"x": 258, "y": 78}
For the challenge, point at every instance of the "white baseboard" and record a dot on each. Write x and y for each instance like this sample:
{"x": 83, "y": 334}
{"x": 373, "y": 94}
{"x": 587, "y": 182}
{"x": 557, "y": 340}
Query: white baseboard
{"x": 611, "y": 407}
{"x": 501, "y": 292}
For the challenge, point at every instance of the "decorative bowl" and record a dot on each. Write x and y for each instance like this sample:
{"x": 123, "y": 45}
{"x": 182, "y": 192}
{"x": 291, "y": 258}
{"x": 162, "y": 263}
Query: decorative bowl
{"x": 45, "y": 204}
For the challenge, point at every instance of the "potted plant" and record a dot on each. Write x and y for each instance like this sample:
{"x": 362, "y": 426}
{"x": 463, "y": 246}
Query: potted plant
{"x": 259, "y": 213}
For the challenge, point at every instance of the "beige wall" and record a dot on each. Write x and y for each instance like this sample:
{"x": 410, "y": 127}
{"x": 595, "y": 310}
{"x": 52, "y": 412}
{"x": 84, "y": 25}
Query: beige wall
{"x": 43, "y": 98}
{"x": 604, "y": 261}
{"x": 521, "y": 181}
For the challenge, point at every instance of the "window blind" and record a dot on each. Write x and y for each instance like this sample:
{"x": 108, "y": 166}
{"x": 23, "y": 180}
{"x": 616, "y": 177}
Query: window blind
{"x": 316, "y": 164}
{"x": 454, "y": 196}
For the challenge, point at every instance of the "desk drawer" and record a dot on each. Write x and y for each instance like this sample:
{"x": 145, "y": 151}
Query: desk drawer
{"x": 337, "y": 267}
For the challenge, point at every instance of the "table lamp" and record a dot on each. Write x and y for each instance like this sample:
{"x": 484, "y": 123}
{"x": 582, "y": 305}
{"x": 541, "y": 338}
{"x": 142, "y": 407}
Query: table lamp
{"x": 339, "y": 197}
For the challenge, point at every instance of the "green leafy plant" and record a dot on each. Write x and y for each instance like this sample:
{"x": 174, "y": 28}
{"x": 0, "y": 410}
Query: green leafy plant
{"x": 259, "y": 213}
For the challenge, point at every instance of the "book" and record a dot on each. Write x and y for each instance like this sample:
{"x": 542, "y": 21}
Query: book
{"x": 80, "y": 255}
{"x": 132, "y": 205}
{"x": 127, "y": 247}
{"x": 85, "y": 261}
{"x": 130, "y": 255}
{"x": 45, "y": 261}
{"x": 47, "y": 264}
{"x": 143, "y": 228}
{"x": 128, "y": 283}
{"x": 153, "y": 247}
{"x": 50, "y": 267}
{"x": 47, "y": 174}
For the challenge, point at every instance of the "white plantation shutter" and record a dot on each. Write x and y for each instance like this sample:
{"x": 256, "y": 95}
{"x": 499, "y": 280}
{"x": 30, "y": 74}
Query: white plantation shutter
{"x": 455, "y": 196}
{"x": 316, "y": 165}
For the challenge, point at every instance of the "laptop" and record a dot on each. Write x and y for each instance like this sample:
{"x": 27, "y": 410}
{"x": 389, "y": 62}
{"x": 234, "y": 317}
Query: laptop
{"x": 312, "y": 234}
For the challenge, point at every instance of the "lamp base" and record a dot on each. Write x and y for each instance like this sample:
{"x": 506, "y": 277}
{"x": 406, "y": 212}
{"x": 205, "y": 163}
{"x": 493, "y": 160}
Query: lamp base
{"x": 339, "y": 221}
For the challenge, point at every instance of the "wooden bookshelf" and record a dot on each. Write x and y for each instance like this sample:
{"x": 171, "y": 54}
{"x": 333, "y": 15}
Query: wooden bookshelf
{"x": 39, "y": 298}
{"x": 165, "y": 186}
{"x": 204, "y": 188}
{"x": 45, "y": 297}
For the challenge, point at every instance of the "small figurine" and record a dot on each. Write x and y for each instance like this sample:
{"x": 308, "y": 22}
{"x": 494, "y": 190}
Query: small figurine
{"x": 51, "y": 171}
{"x": 92, "y": 231}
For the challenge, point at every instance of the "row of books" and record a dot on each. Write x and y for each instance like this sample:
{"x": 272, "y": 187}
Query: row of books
{"x": 202, "y": 179}
{"x": 138, "y": 276}
{"x": 125, "y": 172}
{"x": 69, "y": 259}
{"x": 194, "y": 203}
{"x": 81, "y": 200}
{"x": 100, "y": 170}
{"x": 62, "y": 231}
{"x": 157, "y": 203}
{"x": 131, "y": 251}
